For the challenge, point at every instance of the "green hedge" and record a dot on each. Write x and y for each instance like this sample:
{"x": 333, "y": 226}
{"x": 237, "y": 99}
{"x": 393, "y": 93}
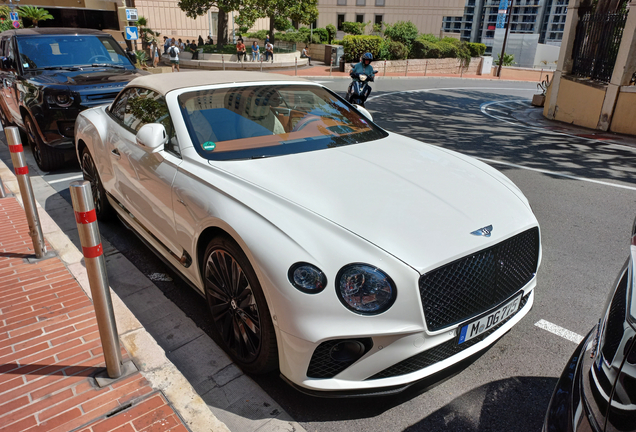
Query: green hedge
{"x": 355, "y": 46}
{"x": 476, "y": 49}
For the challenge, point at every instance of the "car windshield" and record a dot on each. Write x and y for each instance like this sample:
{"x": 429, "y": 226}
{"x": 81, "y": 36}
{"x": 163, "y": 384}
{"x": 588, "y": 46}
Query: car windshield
{"x": 62, "y": 51}
{"x": 271, "y": 120}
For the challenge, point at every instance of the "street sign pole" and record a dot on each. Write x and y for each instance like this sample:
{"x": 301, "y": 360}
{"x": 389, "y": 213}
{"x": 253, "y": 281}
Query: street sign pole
{"x": 503, "y": 47}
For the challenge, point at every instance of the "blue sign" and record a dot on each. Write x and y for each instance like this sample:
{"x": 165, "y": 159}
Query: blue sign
{"x": 501, "y": 16}
{"x": 131, "y": 15}
{"x": 14, "y": 16}
{"x": 132, "y": 33}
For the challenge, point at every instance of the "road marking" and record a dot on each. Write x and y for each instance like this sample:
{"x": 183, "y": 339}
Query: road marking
{"x": 75, "y": 177}
{"x": 559, "y": 331}
{"x": 604, "y": 183}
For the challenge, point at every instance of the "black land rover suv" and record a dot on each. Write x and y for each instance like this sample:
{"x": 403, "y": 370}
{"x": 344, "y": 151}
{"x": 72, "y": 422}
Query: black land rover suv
{"x": 49, "y": 75}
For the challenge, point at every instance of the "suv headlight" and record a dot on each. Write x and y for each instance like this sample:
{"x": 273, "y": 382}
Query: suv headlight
{"x": 62, "y": 99}
{"x": 365, "y": 289}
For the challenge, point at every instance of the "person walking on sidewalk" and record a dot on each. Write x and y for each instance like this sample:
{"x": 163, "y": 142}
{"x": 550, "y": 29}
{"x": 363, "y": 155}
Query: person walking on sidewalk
{"x": 166, "y": 44}
{"x": 305, "y": 54}
{"x": 255, "y": 52}
{"x": 155, "y": 54}
{"x": 173, "y": 52}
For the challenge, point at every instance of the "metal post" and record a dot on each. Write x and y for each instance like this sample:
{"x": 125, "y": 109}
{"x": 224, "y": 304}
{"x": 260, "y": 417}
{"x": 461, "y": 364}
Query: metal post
{"x": 425, "y": 67}
{"x": 223, "y": 61}
{"x": 2, "y": 194}
{"x": 406, "y": 72}
{"x": 86, "y": 219}
{"x": 503, "y": 47}
{"x": 461, "y": 69}
{"x": 296, "y": 65}
{"x": 330, "y": 65}
{"x": 24, "y": 181}
{"x": 261, "y": 62}
{"x": 384, "y": 67}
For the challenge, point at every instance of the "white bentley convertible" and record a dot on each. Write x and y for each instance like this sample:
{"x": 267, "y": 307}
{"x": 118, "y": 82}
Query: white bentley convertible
{"x": 352, "y": 258}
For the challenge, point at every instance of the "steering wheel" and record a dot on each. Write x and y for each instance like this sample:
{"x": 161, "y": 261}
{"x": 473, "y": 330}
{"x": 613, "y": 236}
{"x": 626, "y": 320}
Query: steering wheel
{"x": 95, "y": 58}
{"x": 304, "y": 122}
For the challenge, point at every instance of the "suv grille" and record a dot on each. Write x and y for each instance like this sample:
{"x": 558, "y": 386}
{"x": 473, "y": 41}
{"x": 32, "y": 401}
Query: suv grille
{"x": 440, "y": 352}
{"x": 474, "y": 284}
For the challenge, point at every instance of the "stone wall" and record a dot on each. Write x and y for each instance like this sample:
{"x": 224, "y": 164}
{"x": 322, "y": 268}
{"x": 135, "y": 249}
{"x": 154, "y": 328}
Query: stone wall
{"x": 420, "y": 66}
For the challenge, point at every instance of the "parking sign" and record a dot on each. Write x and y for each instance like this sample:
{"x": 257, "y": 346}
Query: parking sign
{"x": 132, "y": 33}
{"x": 14, "y": 16}
{"x": 131, "y": 15}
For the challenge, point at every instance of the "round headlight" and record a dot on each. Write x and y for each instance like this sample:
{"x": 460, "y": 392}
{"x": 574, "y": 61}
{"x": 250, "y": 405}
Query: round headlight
{"x": 365, "y": 289}
{"x": 307, "y": 278}
{"x": 63, "y": 99}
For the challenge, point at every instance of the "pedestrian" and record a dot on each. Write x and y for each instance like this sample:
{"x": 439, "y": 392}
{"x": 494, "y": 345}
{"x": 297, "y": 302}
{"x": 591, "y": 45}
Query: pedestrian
{"x": 269, "y": 50}
{"x": 210, "y": 41}
{"x": 173, "y": 52}
{"x": 255, "y": 52}
{"x": 305, "y": 54}
{"x": 240, "y": 50}
{"x": 266, "y": 39}
{"x": 166, "y": 44}
{"x": 195, "y": 50}
{"x": 200, "y": 41}
{"x": 181, "y": 45}
{"x": 155, "y": 54}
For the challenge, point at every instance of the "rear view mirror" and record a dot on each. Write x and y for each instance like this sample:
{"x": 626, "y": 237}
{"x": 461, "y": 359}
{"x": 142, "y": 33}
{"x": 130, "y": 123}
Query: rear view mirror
{"x": 152, "y": 137}
{"x": 364, "y": 112}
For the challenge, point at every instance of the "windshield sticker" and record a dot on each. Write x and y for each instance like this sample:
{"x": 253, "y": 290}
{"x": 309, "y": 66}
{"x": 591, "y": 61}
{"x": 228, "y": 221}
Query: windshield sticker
{"x": 209, "y": 146}
{"x": 25, "y": 65}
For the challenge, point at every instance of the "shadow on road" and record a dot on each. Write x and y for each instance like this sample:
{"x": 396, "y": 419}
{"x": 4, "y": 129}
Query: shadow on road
{"x": 453, "y": 120}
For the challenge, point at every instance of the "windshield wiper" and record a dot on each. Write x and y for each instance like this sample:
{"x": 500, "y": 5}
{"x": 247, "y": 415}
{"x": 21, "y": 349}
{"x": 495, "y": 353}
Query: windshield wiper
{"x": 71, "y": 68}
{"x": 107, "y": 65}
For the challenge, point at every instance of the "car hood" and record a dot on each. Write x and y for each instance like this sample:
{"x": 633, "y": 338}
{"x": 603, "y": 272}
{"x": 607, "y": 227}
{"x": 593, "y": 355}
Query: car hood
{"x": 87, "y": 77}
{"x": 416, "y": 201}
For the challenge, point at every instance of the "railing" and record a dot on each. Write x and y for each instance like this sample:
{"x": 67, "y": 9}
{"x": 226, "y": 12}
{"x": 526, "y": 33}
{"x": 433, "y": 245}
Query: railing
{"x": 598, "y": 38}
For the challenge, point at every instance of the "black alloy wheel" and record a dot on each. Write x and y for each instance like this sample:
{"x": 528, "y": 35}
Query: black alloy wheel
{"x": 103, "y": 210}
{"x": 242, "y": 322}
{"x": 46, "y": 157}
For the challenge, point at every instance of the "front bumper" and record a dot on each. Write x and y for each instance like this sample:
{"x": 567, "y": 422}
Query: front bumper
{"x": 395, "y": 361}
{"x": 561, "y": 415}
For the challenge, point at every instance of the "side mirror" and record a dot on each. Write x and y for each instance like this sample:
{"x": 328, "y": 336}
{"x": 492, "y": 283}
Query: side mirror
{"x": 151, "y": 137}
{"x": 6, "y": 63}
{"x": 363, "y": 111}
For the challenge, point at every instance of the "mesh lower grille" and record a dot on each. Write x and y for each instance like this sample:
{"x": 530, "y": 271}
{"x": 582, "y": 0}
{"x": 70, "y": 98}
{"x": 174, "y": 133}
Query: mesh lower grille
{"x": 471, "y": 285}
{"x": 323, "y": 366}
{"x": 438, "y": 353}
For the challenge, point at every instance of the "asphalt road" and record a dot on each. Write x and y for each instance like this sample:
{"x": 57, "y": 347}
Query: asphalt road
{"x": 584, "y": 195}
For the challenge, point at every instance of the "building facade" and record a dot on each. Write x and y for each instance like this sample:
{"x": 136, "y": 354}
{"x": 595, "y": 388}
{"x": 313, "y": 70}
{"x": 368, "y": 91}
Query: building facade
{"x": 427, "y": 15}
{"x": 481, "y": 18}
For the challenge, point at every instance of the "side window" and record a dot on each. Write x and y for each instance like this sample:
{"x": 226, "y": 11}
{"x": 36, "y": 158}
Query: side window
{"x": 145, "y": 106}
{"x": 118, "y": 107}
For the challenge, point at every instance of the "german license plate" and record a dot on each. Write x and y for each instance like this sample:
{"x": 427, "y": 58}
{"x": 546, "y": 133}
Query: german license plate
{"x": 487, "y": 322}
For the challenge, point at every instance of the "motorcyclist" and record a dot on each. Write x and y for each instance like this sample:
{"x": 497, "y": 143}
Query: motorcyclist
{"x": 364, "y": 67}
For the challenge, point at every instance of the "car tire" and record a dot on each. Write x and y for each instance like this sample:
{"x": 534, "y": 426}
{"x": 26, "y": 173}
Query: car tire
{"x": 103, "y": 210}
{"x": 47, "y": 158}
{"x": 241, "y": 321}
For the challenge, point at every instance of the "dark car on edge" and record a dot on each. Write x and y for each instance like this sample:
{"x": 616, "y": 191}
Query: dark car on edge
{"x": 49, "y": 75}
{"x": 597, "y": 390}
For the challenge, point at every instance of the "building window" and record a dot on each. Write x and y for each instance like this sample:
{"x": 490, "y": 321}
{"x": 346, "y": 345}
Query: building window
{"x": 342, "y": 2}
{"x": 360, "y": 18}
{"x": 378, "y": 20}
{"x": 341, "y": 19}
{"x": 361, "y": 2}
{"x": 379, "y": 2}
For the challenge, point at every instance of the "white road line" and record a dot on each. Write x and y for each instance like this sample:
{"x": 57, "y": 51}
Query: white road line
{"x": 559, "y": 331}
{"x": 75, "y": 177}
{"x": 604, "y": 183}
{"x": 443, "y": 89}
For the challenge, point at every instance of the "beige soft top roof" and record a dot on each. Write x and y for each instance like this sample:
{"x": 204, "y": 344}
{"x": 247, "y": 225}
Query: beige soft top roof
{"x": 164, "y": 83}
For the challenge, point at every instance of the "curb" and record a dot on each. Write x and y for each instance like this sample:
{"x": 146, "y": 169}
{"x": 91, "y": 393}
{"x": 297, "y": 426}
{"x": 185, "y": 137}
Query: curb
{"x": 147, "y": 355}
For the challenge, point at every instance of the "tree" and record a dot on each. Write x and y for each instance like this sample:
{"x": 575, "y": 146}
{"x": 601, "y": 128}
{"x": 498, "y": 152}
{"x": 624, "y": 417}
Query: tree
{"x": 332, "y": 32}
{"x": 508, "y": 59}
{"x": 301, "y": 11}
{"x": 34, "y": 13}
{"x": 402, "y": 31}
{"x": 195, "y": 8}
{"x": 146, "y": 34}
{"x": 353, "y": 28}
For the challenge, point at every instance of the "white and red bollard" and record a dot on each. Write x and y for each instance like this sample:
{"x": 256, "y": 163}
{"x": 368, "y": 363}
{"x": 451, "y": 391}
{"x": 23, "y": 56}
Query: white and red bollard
{"x": 86, "y": 219}
{"x": 26, "y": 190}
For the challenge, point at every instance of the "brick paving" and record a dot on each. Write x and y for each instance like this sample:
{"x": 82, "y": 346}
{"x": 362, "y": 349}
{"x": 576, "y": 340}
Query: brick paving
{"x": 50, "y": 350}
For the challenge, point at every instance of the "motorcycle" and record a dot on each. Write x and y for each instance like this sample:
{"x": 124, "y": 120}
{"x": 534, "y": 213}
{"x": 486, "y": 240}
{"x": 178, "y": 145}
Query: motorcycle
{"x": 359, "y": 89}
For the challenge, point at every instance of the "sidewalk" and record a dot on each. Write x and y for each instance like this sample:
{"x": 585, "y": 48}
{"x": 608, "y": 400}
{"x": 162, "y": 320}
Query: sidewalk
{"x": 50, "y": 349}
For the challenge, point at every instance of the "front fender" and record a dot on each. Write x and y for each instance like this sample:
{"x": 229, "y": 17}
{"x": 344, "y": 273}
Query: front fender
{"x": 90, "y": 132}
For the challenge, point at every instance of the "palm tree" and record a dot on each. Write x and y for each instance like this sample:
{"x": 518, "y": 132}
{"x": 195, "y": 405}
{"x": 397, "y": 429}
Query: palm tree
{"x": 34, "y": 14}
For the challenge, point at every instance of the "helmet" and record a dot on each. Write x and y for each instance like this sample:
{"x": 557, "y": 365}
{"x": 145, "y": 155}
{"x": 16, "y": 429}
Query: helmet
{"x": 367, "y": 56}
